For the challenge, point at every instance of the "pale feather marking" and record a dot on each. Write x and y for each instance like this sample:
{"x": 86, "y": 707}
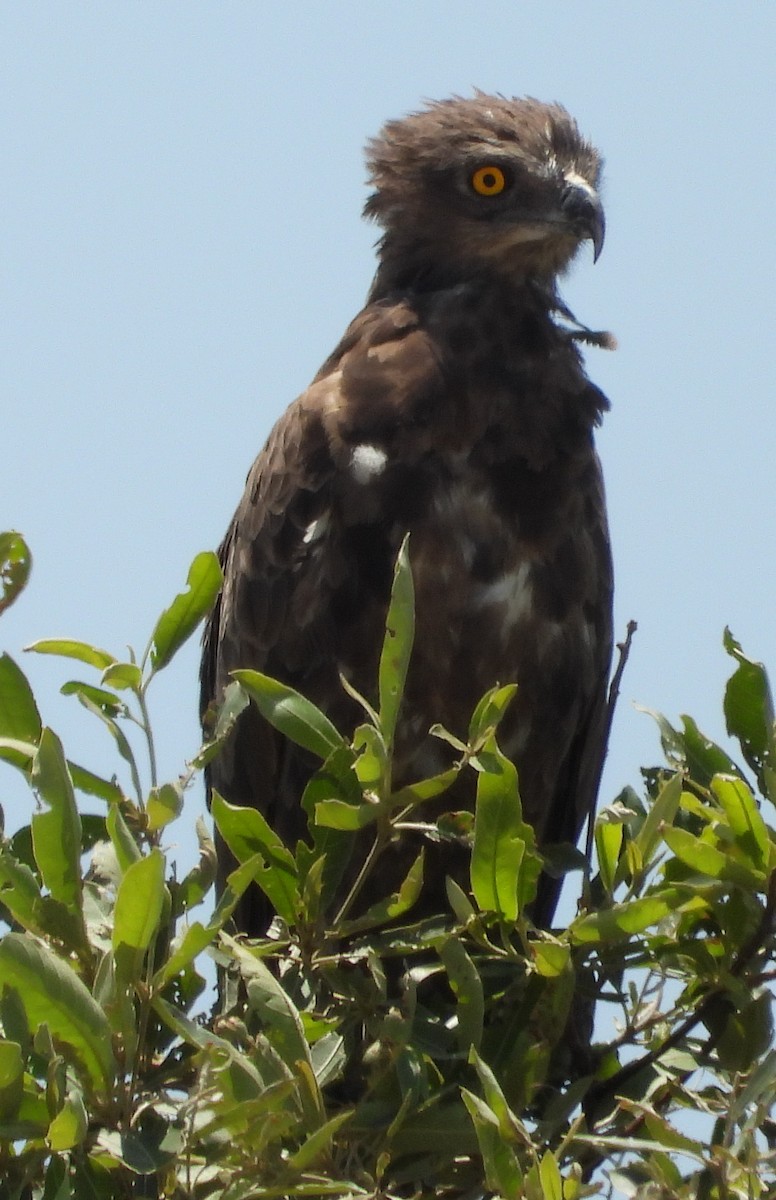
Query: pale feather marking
{"x": 513, "y": 591}
{"x": 316, "y": 529}
{"x": 367, "y": 462}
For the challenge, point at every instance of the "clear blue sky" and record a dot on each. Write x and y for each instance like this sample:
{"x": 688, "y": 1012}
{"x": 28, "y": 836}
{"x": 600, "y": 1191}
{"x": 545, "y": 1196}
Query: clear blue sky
{"x": 181, "y": 246}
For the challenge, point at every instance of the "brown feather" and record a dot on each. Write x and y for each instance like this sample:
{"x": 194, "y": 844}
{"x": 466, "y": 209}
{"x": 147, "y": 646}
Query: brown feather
{"x": 456, "y": 408}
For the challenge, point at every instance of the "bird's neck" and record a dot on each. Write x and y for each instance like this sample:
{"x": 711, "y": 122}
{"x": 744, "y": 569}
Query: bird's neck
{"x": 413, "y": 266}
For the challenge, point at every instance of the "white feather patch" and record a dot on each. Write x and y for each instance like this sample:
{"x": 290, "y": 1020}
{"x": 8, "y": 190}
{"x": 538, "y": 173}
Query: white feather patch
{"x": 316, "y": 529}
{"x": 512, "y": 592}
{"x": 367, "y": 462}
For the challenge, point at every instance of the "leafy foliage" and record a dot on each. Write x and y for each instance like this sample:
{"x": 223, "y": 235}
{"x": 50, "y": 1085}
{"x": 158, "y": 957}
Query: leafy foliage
{"x": 368, "y": 1053}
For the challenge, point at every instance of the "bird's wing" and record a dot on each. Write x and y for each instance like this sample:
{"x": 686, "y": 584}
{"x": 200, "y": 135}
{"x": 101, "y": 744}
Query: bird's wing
{"x": 576, "y": 789}
{"x": 290, "y": 595}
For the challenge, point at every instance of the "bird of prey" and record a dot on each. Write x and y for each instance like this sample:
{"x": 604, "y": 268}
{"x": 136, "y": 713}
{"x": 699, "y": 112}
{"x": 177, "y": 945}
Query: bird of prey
{"x": 456, "y": 408}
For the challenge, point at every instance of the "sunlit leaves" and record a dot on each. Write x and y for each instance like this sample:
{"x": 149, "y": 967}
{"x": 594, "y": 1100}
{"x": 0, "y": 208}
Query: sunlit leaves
{"x": 291, "y": 713}
{"x": 489, "y": 712}
{"x": 394, "y": 906}
{"x": 19, "y": 716}
{"x": 501, "y": 838}
{"x": 69, "y": 648}
{"x": 15, "y": 566}
{"x": 164, "y": 804}
{"x": 467, "y": 988}
{"x": 56, "y": 833}
{"x": 139, "y": 904}
{"x": 235, "y": 701}
{"x": 397, "y": 646}
{"x": 608, "y": 843}
{"x": 381, "y": 1048}
{"x": 744, "y": 820}
{"x": 632, "y": 917}
{"x": 53, "y": 995}
{"x": 750, "y": 716}
{"x": 247, "y": 835}
{"x": 178, "y": 622}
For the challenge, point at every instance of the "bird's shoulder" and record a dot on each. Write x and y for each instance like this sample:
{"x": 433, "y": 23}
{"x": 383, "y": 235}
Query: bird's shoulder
{"x": 378, "y": 388}
{"x": 386, "y": 383}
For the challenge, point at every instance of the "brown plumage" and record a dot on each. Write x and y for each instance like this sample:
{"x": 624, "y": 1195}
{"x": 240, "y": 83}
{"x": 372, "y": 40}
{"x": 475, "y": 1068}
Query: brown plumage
{"x": 455, "y": 407}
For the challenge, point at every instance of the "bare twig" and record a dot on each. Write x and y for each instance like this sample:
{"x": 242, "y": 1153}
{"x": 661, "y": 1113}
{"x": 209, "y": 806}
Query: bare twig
{"x": 611, "y": 703}
{"x": 611, "y": 1086}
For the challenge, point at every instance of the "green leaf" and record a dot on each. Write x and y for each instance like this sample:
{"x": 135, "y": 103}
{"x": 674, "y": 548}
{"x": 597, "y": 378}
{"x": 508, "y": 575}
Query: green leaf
{"x": 550, "y": 1177}
{"x": 744, "y": 819}
{"x": 67, "y": 648}
{"x": 749, "y": 714}
{"x": 53, "y": 995}
{"x": 467, "y": 988}
{"x": 338, "y": 814}
{"x": 317, "y": 1144}
{"x": 508, "y": 1122}
{"x": 164, "y": 804}
{"x": 459, "y": 902}
{"x": 397, "y": 646}
{"x": 195, "y": 1034}
{"x": 389, "y": 909}
{"x": 237, "y": 882}
{"x": 235, "y": 701}
{"x": 742, "y": 1035}
{"x": 371, "y": 763}
{"x": 11, "y": 1079}
{"x": 19, "y": 891}
{"x": 284, "y": 1028}
{"x": 123, "y": 675}
{"x": 15, "y": 566}
{"x": 704, "y": 757}
{"x": 334, "y": 780}
{"x": 291, "y": 713}
{"x": 119, "y": 737}
{"x": 608, "y": 843}
{"x": 499, "y": 835}
{"x": 19, "y": 716}
{"x": 623, "y": 920}
{"x": 56, "y": 833}
{"x": 662, "y": 1131}
{"x": 503, "y": 1175}
{"x": 760, "y": 1084}
{"x": 127, "y": 849}
{"x": 635, "y": 1145}
{"x": 94, "y": 785}
{"x": 178, "y": 622}
{"x": 195, "y": 939}
{"x": 247, "y": 834}
{"x": 489, "y": 711}
{"x": 445, "y": 1128}
{"x": 425, "y": 789}
{"x": 551, "y": 958}
{"x": 700, "y": 856}
{"x": 661, "y": 813}
{"x": 70, "y": 1125}
{"x": 139, "y": 904}
{"x": 109, "y": 702}
{"x": 197, "y": 882}
{"x": 18, "y": 753}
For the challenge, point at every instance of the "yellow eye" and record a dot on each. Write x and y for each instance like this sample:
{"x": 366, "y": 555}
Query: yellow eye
{"x": 488, "y": 181}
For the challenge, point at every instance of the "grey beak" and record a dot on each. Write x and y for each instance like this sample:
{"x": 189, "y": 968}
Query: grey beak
{"x": 584, "y": 211}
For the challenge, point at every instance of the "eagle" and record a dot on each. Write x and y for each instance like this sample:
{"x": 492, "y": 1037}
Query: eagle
{"x": 455, "y": 409}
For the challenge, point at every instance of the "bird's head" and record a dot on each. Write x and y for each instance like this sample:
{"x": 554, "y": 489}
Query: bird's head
{"x": 486, "y": 184}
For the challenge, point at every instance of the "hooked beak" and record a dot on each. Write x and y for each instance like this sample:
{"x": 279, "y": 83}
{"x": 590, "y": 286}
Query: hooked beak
{"x": 582, "y": 208}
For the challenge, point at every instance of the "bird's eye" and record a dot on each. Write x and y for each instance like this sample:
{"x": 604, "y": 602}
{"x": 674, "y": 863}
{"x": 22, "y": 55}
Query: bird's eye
{"x": 488, "y": 181}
